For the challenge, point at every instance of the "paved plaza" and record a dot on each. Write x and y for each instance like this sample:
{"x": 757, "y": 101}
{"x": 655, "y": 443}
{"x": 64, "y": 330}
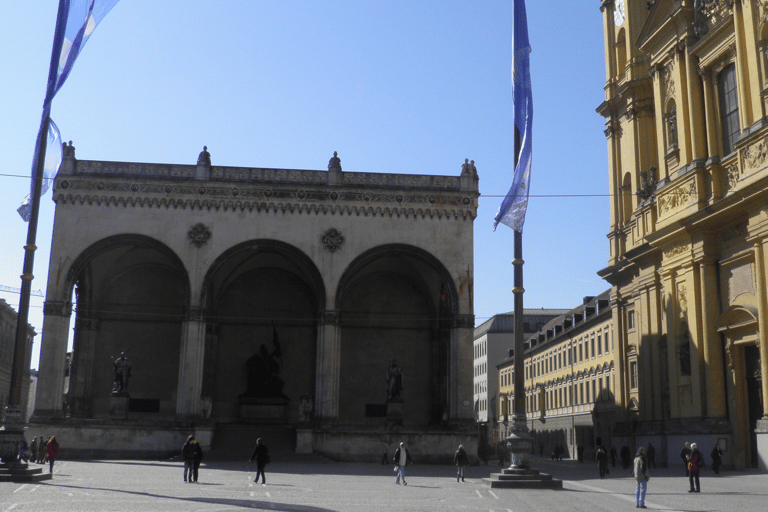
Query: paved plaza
{"x": 311, "y": 485}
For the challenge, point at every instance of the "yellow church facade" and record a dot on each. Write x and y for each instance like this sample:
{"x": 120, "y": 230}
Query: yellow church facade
{"x": 686, "y": 104}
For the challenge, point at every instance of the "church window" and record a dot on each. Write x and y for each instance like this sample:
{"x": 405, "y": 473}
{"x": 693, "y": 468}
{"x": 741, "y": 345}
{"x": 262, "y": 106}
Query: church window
{"x": 633, "y": 374}
{"x": 729, "y": 107}
{"x": 630, "y": 320}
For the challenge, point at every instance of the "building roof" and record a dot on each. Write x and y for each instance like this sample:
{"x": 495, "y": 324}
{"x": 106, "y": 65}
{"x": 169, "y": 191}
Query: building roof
{"x": 505, "y": 322}
{"x": 567, "y": 322}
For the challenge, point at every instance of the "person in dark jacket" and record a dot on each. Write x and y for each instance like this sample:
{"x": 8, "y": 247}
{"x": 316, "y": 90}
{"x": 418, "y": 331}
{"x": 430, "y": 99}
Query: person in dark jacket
{"x": 33, "y": 450}
{"x": 402, "y": 459}
{"x": 717, "y": 459}
{"x": 650, "y": 454}
{"x": 461, "y": 461}
{"x": 198, "y": 459}
{"x": 188, "y": 452}
{"x": 695, "y": 462}
{"x": 261, "y": 454}
{"x": 602, "y": 461}
{"x": 626, "y": 457}
{"x": 41, "y": 450}
{"x": 684, "y": 455}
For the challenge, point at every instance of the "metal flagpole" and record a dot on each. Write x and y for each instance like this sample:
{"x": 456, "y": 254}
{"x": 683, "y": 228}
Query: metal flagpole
{"x": 13, "y": 423}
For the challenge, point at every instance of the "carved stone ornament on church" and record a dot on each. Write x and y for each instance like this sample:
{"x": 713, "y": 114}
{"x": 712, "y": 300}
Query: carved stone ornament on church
{"x": 708, "y": 13}
{"x": 332, "y": 240}
{"x": 755, "y": 156}
{"x": 199, "y": 234}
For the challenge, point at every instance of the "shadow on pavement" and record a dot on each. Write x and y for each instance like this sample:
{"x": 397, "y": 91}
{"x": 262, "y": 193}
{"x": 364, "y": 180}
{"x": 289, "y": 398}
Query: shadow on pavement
{"x": 271, "y": 505}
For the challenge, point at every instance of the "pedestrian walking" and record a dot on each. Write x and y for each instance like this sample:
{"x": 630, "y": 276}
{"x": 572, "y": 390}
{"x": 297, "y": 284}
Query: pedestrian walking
{"x": 626, "y": 459}
{"x": 461, "y": 461}
{"x": 385, "y": 455}
{"x": 52, "y": 450}
{"x": 198, "y": 459}
{"x": 717, "y": 458}
{"x": 261, "y": 454}
{"x": 650, "y": 454}
{"x": 602, "y": 461}
{"x": 41, "y": 450}
{"x": 188, "y": 455}
{"x": 402, "y": 459}
{"x": 33, "y": 450}
{"x": 695, "y": 463}
{"x": 23, "y": 450}
{"x": 684, "y": 455}
{"x": 642, "y": 477}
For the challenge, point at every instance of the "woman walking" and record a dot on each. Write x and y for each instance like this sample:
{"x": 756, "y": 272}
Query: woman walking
{"x": 52, "y": 449}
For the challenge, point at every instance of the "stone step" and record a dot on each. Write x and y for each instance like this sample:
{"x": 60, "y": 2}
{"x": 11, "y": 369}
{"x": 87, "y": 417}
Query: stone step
{"x": 523, "y": 484}
{"x": 22, "y": 473}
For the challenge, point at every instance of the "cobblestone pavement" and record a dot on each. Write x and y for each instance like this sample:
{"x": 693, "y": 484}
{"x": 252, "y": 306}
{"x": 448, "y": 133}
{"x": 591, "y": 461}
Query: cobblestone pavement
{"x": 148, "y": 486}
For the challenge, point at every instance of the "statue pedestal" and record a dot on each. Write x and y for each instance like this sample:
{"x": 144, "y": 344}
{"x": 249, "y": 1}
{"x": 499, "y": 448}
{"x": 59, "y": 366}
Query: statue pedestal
{"x": 118, "y": 405}
{"x": 304, "y": 440}
{"x": 265, "y": 410}
{"x": 394, "y": 416}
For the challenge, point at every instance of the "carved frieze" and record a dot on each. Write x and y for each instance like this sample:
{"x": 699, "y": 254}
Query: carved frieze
{"x": 677, "y": 198}
{"x": 668, "y": 78}
{"x": 732, "y": 176}
{"x": 57, "y": 308}
{"x": 675, "y": 250}
{"x": 755, "y": 156}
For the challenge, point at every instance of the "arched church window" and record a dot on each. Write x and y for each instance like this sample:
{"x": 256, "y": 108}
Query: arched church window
{"x": 729, "y": 107}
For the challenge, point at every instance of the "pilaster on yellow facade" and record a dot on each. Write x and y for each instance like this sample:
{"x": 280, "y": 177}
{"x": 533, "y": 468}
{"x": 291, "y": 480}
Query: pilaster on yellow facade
{"x": 687, "y": 134}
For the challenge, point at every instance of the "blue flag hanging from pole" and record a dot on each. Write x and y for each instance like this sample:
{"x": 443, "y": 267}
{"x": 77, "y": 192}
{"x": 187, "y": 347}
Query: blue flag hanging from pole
{"x": 512, "y": 210}
{"x": 75, "y": 23}
{"x": 53, "y": 153}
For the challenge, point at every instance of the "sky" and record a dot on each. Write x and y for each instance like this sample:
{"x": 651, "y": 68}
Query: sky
{"x": 394, "y": 86}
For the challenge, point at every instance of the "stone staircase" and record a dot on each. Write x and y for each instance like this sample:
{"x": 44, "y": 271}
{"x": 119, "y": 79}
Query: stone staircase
{"x": 522, "y": 479}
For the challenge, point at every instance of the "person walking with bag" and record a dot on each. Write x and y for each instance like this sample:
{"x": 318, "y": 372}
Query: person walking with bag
{"x": 261, "y": 454}
{"x": 461, "y": 460}
{"x": 402, "y": 459}
{"x": 642, "y": 477}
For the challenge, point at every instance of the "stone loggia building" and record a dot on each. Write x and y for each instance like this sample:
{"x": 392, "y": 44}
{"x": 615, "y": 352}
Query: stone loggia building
{"x": 686, "y": 105}
{"x": 202, "y": 274}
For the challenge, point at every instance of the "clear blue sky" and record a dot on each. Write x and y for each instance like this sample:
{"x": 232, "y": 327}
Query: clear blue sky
{"x": 393, "y": 86}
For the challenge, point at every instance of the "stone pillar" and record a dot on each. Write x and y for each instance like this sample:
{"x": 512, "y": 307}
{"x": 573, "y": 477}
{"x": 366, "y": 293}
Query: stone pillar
{"x": 191, "y": 360}
{"x": 461, "y": 368}
{"x": 53, "y": 357}
{"x": 713, "y": 352}
{"x": 86, "y": 330}
{"x": 328, "y": 367}
{"x": 762, "y": 320}
{"x": 698, "y": 140}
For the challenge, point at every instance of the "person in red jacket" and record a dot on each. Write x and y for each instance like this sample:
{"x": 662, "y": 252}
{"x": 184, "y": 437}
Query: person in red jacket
{"x": 52, "y": 450}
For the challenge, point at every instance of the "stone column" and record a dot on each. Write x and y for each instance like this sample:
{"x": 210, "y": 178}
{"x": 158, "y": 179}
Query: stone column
{"x": 191, "y": 361}
{"x": 53, "y": 357}
{"x": 328, "y": 367}
{"x": 713, "y": 352}
{"x": 697, "y": 124}
{"x": 86, "y": 330}
{"x": 461, "y": 368}
{"x": 762, "y": 320}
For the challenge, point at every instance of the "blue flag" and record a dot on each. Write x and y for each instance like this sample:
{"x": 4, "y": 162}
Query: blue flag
{"x": 75, "y": 23}
{"x": 53, "y": 153}
{"x": 512, "y": 210}
{"x": 80, "y": 18}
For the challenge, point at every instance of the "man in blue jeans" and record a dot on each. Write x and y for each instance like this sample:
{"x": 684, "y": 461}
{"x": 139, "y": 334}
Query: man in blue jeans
{"x": 402, "y": 459}
{"x": 642, "y": 477}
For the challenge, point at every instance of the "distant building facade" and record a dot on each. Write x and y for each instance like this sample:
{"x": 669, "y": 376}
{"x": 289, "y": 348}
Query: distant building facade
{"x": 570, "y": 380}
{"x": 686, "y": 111}
{"x": 251, "y": 296}
{"x": 8, "y": 320}
{"x": 493, "y": 340}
